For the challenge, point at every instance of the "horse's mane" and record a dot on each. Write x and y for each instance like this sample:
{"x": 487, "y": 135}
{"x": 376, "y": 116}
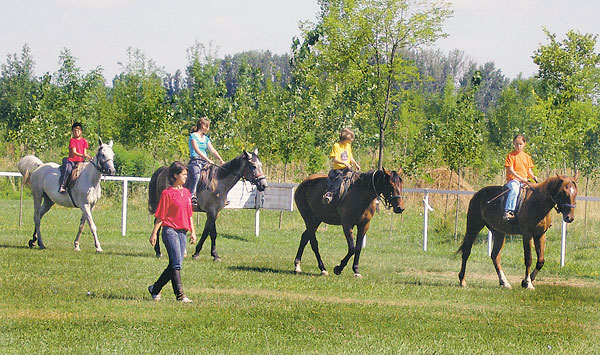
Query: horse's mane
{"x": 229, "y": 167}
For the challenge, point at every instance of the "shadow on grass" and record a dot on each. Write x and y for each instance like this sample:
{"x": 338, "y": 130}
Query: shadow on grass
{"x": 7, "y": 246}
{"x": 261, "y": 269}
{"x": 137, "y": 255}
{"x": 232, "y": 237}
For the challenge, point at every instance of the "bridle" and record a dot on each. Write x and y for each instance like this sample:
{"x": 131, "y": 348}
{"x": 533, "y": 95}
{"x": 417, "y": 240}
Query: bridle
{"x": 558, "y": 205}
{"x": 254, "y": 178}
{"x": 101, "y": 165}
{"x": 387, "y": 200}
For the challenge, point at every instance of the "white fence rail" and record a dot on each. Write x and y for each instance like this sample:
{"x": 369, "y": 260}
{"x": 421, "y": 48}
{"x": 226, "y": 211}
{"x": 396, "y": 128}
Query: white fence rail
{"x": 280, "y": 197}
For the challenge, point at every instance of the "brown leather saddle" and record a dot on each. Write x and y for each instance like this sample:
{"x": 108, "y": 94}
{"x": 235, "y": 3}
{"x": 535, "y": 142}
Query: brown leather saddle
{"x": 504, "y": 194}
{"x": 72, "y": 179}
{"x": 348, "y": 178}
{"x": 206, "y": 174}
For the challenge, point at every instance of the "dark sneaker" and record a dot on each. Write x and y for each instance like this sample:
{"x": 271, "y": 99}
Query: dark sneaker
{"x": 327, "y": 198}
{"x": 508, "y": 216}
{"x": 154, "y": 297}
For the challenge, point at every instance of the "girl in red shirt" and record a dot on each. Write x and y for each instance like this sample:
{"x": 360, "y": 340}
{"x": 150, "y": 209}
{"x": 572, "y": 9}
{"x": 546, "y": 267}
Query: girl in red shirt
{"x": 77, "y": 153}
{"x": 174, "y": 214}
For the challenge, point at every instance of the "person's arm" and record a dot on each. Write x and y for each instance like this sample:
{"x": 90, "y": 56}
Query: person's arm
{"x": 197, "y": 150}
{"x": 353, "y": 162}
{"x": 214, "y": 152}
{"x": 341, "y": 162}
{"x": 511, "y": 171}
{"x": 532, "y": 175}
{"x": 192, "y": 231}
{"x": 153, "y": 236}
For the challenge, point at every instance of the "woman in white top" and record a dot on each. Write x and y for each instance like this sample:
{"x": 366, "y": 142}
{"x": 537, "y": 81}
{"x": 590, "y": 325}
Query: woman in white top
{"x": 199, "y": 144}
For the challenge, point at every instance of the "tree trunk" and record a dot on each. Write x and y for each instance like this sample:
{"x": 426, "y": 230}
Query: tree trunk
{"x": 381, "y": 133}
{"x": 284, "y": 180}
{"x": 457, "y": 205}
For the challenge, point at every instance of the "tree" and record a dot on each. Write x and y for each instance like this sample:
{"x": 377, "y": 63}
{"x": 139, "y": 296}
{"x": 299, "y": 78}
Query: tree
{"x": 18, "y": 94}
{"x": 361, "y": 45}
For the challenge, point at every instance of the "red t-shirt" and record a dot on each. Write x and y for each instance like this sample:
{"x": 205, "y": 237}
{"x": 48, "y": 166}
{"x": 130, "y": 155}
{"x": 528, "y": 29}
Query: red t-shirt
{"x": 80, "y": 146}
{"x": 175, "y": 208}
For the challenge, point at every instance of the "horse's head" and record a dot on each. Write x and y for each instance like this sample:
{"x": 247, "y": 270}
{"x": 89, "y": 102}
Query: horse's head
{"x": 105, "y": 158}
{"x": 389, "y": 186}
{"x": 253, "y": 171}
{"x": 565, "y": 196}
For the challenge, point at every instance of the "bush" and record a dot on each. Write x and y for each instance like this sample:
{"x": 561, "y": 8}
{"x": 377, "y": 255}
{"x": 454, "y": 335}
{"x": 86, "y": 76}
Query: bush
{"x": 133, "y": 162}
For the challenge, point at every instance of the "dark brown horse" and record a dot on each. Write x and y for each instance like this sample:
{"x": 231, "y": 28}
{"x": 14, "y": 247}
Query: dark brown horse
{"x": 213, "y": 198}
{"x": 355, "y": 209}
{"x": 532, "y": 221}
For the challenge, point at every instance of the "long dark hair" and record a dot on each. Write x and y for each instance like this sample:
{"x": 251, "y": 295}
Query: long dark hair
{"x": 175, "y": 168}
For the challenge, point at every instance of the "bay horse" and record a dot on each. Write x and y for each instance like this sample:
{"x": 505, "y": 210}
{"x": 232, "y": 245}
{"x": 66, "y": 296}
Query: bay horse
{"x": 213, "y": 198}
{"x": 356, "y": 208}
{"x": 532, "y": 221}
{"x": 44, "y": 181}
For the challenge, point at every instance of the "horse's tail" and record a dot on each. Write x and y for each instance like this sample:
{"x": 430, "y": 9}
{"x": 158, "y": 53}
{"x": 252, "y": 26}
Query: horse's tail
{"x": 153, "y": 193}
{"x": 27, "y": 165}
{"x": 474, "y": 224}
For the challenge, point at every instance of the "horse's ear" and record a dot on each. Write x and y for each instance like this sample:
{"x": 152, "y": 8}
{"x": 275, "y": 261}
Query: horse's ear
{"x": 110, "y": 143}
{"x": 255, "y": 151}
{"x": 99, "y": 141}
{"x": 576, "y": 177}
{"x": 399, "y": 171}
{"x": 248, "y": 155}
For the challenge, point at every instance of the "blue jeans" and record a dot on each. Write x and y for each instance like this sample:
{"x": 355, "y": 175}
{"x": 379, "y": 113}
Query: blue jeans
{"x": 513, "y": 192}
{"x": 174, "y": 240}
{"x": 194, "y": 168}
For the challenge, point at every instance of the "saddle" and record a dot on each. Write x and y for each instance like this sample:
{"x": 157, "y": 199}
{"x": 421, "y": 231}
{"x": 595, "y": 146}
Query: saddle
{"x": 75, "y": 172}
{"x": 520, "y": 198}
{"x": 206, "y": 174}
{"x": 347, "y": 180}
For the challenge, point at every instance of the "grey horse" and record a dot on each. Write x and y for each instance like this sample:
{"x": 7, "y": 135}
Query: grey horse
{"x": 44, "y": 180}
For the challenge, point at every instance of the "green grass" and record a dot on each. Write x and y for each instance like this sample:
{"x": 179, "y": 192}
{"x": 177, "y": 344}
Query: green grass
{"x": 252, "y": 302}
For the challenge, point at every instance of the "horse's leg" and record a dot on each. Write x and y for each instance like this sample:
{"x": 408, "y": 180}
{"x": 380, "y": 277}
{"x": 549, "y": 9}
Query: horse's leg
{"x": 474, "y": 225}
{"x": 350, "y": 240}
{"x": 81, "y": 225}
{"x": 213, "y": 237}
{"x": 306, "y": 235}
{"x": 41, "y": 206}
{"x": 496, "y": 249}
{"x": 202, "y": 239}
{"x": 527, "y": 243}
{"x": 314, "y": 244}
{"x": 87, "y": 214}
{"x": 540, "y": 246}
{"x": 157, "y": 245}
{"x": 360, "y": 235}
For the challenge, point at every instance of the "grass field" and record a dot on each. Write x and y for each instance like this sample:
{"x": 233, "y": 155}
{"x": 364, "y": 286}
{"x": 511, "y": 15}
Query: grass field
{"x": 61, "y": 301}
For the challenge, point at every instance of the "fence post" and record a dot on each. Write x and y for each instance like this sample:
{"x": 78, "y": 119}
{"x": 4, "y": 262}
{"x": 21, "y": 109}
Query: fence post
{"x": 124, "y": 210}
{"x": 426, "y": 209}
{"x": 21, "y": 203}
{"x": 563, "y": 243}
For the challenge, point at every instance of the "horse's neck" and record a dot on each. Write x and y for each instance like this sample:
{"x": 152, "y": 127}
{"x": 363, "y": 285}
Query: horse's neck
{"x": 542, "y": 196}
{"x": 234, "y": 170}
{"x": 89, "y": 175}
{"x": 365, "y": 188}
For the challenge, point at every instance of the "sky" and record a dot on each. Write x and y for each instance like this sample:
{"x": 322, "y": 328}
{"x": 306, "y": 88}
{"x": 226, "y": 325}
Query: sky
{"x": 98, "y": 32}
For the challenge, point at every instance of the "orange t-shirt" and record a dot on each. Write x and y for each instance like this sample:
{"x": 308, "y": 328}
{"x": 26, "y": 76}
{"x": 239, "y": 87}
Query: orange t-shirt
{"x": 521, "y": 162}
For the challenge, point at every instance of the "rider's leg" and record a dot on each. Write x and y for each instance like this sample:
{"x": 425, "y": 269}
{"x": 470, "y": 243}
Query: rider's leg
{"x": 511, "y": 198}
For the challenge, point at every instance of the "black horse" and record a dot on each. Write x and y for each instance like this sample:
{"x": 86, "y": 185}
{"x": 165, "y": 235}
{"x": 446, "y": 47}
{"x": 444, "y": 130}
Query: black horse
{"x": 356, "y": 208}
{"x": 213, "y": 197}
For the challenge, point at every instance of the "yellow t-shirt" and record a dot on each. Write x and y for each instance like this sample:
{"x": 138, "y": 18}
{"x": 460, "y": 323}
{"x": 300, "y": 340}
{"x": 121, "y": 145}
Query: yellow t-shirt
{"x": 342, "y": 152}
{"x": 520, "y": 162}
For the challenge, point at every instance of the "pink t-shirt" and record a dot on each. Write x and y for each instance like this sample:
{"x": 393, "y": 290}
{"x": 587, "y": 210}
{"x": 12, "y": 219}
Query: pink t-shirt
{"x": 80, "y": 146}
{"x": 175, "y": 208}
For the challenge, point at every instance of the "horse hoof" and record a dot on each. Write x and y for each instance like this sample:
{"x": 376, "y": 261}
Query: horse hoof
{"x": 217, "y": 259}
{"x": 506, "y": 285}
{"x": 195, "y": 256}
{"x": 527, "y": 285}
{"x": 337, "y": 270}
{"x": 99, "y": 250}
{"x": 324, "y": 273}
{"x": 31, "y": 243}
{"x": 158, "y": 255}
{"x": 77, "y": 248}
{"x": 42, "y": 247}
{"x": 462, "y": 283}
{"x": 297, "y": 270}
{"x": 357, "y": 275}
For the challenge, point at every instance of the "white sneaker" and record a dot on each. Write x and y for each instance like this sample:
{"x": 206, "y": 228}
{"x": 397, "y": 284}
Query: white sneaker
{"x": 184, "y": 299}
{"x": 154, "y": 297}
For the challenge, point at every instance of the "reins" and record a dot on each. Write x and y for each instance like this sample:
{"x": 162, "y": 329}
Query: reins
{"x": 381, "y": 195}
